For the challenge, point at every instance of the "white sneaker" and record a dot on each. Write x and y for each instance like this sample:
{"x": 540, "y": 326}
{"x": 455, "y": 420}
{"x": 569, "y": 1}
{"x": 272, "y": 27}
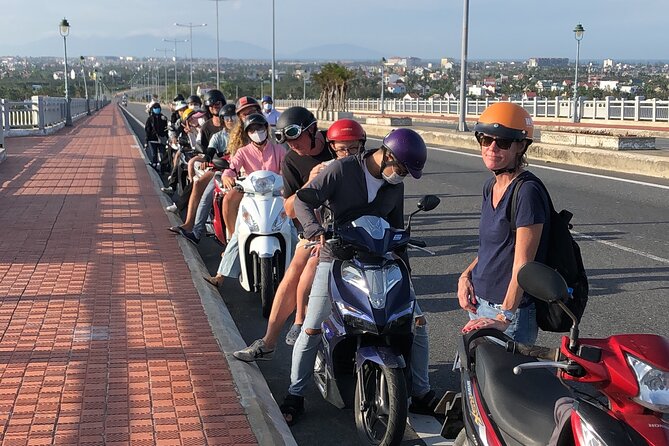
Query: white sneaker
{"x": 255, "y": 352}
{"x": 172, "y": 208}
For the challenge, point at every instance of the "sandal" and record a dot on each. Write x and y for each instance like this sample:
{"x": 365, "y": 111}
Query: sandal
{"x": 175, "y": 229}
{"x": 293, "y": 333}
{"x": 292, "y": 408}
{"x": 212, "y": 281}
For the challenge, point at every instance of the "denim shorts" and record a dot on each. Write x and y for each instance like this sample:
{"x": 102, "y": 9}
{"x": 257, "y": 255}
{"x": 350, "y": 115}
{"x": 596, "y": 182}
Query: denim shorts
{"x": 523, "y": 329}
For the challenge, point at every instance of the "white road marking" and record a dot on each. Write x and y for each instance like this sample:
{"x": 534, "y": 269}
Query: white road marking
{"x": 622, "y": 248}
{"x": 428, "y": 429}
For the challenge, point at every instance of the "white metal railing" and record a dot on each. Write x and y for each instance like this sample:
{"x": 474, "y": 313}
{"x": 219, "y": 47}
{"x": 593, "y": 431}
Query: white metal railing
{"x": 651, "y": 110}
{"x": 40, "y": 114}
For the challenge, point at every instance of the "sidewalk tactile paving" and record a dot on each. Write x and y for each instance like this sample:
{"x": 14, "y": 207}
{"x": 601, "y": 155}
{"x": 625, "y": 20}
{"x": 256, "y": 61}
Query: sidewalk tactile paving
{"x": 104, "y": 340}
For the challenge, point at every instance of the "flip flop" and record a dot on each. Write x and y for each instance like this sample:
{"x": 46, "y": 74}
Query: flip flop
{"x": 175, "y": 229}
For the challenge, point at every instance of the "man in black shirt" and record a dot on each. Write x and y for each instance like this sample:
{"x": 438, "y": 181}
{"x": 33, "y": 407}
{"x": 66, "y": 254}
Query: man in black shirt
{"x": 214, "y": 101}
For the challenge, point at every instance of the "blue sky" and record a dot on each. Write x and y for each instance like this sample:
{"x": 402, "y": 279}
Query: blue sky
{"x": 499, "y": 29}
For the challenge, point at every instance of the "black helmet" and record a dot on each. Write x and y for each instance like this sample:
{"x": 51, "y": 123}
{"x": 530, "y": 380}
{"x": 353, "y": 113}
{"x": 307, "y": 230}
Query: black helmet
{"x": 254, "y": 119}
{"x": 295, "y": 116}
{"x": 227, "y": 110}
{"x": 194, "y": 99}
{"x": 178, "y": 98}
{"x": 213, "y": 96}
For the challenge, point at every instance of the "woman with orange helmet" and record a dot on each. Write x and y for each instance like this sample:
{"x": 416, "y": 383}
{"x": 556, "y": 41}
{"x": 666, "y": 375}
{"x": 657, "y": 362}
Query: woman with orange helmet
{"x": 488, "y": 288}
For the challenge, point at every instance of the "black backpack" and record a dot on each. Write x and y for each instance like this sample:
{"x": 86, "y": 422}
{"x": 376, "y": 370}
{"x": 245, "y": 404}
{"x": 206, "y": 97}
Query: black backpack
{"x": 564, "y": 255}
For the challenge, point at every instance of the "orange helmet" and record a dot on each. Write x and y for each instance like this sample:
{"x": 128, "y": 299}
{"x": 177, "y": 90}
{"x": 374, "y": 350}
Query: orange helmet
{"x": 506, "y": 120}
{"x": 346, "y": 130}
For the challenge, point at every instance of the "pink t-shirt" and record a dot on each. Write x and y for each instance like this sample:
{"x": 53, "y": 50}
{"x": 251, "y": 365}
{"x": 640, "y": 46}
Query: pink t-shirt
{"x": 250, "y": 158}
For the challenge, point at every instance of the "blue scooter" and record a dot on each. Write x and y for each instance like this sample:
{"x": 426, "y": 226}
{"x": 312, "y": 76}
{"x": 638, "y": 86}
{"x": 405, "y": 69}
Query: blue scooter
{"x": 366, "y": 342}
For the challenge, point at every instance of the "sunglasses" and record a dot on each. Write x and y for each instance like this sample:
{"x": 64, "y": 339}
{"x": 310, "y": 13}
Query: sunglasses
{"x": 230, "y": 118}
{"x": 351, "y": 150}
{"x": 502, "y": 143}
{"x": 290, "y": 132}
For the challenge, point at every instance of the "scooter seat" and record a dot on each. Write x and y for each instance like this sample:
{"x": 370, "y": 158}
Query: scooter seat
{"x": 520, "y": 405}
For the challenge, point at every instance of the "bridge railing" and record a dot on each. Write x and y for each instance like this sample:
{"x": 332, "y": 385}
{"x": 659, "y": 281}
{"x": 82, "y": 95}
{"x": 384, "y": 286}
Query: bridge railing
{"x": 651, "y": 110}
{"x": 42, "y": 114}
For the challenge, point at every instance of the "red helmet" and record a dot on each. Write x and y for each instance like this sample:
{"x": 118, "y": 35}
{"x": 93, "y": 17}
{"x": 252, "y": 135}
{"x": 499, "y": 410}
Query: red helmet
{"x": 346, "y": 130}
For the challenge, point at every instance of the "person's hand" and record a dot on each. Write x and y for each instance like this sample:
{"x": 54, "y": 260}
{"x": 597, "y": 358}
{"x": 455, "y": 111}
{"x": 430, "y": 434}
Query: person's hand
{"x": 484, "y": 322}
{"x": 466, "y": 294}
{"x": 315, "y": 171}
{"x": 229, "y": 182}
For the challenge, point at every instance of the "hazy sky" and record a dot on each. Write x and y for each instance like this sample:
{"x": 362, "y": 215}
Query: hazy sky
{"x": 504, "y": 29}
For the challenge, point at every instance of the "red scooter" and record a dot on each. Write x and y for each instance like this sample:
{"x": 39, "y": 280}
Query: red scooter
{"x": 509, "y": 396}
{"x": 217, "y": 222}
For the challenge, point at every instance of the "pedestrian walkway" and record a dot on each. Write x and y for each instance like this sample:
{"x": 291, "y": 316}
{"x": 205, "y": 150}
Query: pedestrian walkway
{"x": 104, "y": 339}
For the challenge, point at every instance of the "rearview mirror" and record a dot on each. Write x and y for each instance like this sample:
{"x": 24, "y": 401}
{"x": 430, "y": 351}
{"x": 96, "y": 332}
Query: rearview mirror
{"x": 542, "y": 282}
{"x": 310, "y": 196}
{"x": 428, "y": 202}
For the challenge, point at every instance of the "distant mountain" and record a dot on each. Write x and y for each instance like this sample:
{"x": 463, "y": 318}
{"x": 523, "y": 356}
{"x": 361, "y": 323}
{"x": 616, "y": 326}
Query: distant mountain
{"x": 204, "y": 47}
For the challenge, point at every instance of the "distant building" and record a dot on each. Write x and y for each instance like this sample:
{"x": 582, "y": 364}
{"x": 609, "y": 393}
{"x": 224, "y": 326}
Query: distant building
{"x": 608, "y": 85}
{"x": 410, "y": 96}
{"x": 608, "y": 64}
{"x": 536, "y": 62}
{"x": 631, "y": 89}
{"x": 405, "y": 62}
{"x": 446, "y": 64}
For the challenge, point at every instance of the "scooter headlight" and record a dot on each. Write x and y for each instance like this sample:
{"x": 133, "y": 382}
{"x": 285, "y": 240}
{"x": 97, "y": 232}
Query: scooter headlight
{"x": 263, "y": 185}
{"x": 356, "y": 318}
{"x": 653, "y": 385}
{"x": 248, "y": 219}
{"x": 279, "y": 221}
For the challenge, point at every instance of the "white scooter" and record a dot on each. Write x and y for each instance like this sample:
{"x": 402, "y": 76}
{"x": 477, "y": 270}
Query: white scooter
{"x": 264, "y": 235}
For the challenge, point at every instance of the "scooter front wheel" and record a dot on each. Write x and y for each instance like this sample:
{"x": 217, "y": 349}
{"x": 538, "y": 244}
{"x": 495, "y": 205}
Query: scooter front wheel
{"x": 266, "y": 286}
{"x": 380, "y": 405}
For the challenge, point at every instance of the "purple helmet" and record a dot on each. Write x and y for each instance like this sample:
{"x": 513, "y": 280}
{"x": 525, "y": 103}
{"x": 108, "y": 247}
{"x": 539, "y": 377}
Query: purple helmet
{"x": 407, "y": 147}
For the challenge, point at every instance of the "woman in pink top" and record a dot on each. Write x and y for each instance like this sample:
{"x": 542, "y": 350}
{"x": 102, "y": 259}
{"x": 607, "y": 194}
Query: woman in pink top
{"x": 260, "y": 154}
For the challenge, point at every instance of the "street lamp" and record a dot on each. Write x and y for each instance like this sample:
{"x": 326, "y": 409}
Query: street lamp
{"x": 190, "y": 27}
{"x": 383, "y": 86}
{"x": 165, "y": 50}
{"x": 218, "y": 50}
{"x": 175, "y": 41}
{"x": 273, "y": 48}
{"x": 83, "y": 75}
{"x": 578, "y": 35}
{"x": 462, "y": 124}
{"x": 64, "y": 29}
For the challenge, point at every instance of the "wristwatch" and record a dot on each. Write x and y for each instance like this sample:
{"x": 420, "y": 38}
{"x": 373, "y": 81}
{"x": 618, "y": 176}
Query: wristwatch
{"x": 505, "y": 316}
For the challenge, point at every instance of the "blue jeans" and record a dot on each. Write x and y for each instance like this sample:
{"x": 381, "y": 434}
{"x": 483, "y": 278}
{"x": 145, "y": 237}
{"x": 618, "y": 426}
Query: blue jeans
{"x": 206, "y": 202}
{"x": 523, "y": 329}
{"x": 306, "y": 346}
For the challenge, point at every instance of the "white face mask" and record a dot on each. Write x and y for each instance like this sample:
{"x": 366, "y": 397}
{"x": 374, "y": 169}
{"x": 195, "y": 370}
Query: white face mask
{"x": 267, "y": 107}
{"x": 259, "y": 136}
{"x": 394, "y": 178}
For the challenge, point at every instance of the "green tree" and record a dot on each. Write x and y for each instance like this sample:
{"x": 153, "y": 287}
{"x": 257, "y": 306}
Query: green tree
{"x": 333, "y": 79}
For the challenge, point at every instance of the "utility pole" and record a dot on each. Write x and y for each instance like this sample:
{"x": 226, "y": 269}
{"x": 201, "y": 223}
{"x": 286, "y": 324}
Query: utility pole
{"x": 176, "y": 82}
{"x": 190, "y": 27}
{"x": 462, "y": 124}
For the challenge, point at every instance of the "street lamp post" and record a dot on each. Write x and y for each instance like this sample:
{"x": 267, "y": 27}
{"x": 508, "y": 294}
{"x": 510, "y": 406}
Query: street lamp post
{"x": 83, "y": 75}
{"x": 273, "y": 48}
{"x": 218, "y": 49}
{"x": 175, "y": 41}
{"x": 462, "y": 124}
{"x": 304, "y": 89}
{"x": 64, "y": 29}
{"x": 165, "y": 50}
{"x": 190, "y": 27}
{"x": 383, "y": 85}
{"x": 578, "y": 35}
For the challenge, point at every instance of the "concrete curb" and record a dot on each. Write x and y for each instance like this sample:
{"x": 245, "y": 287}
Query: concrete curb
{"x": 261, "y": 408}
{"x": 633, "y": 162}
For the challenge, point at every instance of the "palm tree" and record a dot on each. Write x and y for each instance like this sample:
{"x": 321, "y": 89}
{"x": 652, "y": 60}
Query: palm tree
{"x": 333, "y": 80}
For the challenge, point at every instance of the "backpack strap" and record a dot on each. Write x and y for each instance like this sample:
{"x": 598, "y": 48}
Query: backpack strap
{"x": 514, "y": 199}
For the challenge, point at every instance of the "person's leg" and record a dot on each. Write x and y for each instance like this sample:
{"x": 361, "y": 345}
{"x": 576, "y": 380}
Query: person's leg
{"x": 231, "y": 202}
{"x": 282, "y": 307}
{"x": 302, "y": 298}
{"x": 203, "y": 209}
{"x": 229, "y": 265}
{"x": 306, "y": 346}
{"x": 199, "y": 185}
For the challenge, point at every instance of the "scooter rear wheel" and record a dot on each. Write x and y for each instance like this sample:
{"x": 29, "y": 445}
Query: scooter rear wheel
{"x": 383, "y": 419}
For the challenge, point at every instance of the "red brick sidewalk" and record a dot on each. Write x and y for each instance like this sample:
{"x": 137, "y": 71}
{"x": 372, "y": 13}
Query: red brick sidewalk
{"x": 104, "y": 338}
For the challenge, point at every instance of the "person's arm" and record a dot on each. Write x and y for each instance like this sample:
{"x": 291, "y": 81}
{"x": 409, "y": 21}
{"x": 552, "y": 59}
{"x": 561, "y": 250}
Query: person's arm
{"x": 527, "y": 243}
{"x": 326, "y": 183}
{"x": 236, "y": 163}
{"x": 466, "y": 293}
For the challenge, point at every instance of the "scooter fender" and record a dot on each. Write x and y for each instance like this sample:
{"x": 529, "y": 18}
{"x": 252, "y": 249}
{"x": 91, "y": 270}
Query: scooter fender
{"x": 381, "y": 355}
{"x": 265, "y": 246}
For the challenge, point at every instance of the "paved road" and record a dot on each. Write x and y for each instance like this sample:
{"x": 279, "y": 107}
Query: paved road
{"x": 622, "y": 222}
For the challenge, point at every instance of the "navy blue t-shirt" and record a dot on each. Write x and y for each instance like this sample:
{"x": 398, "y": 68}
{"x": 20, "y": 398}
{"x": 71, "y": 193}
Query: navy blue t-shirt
{"x": 492, "y": 273}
